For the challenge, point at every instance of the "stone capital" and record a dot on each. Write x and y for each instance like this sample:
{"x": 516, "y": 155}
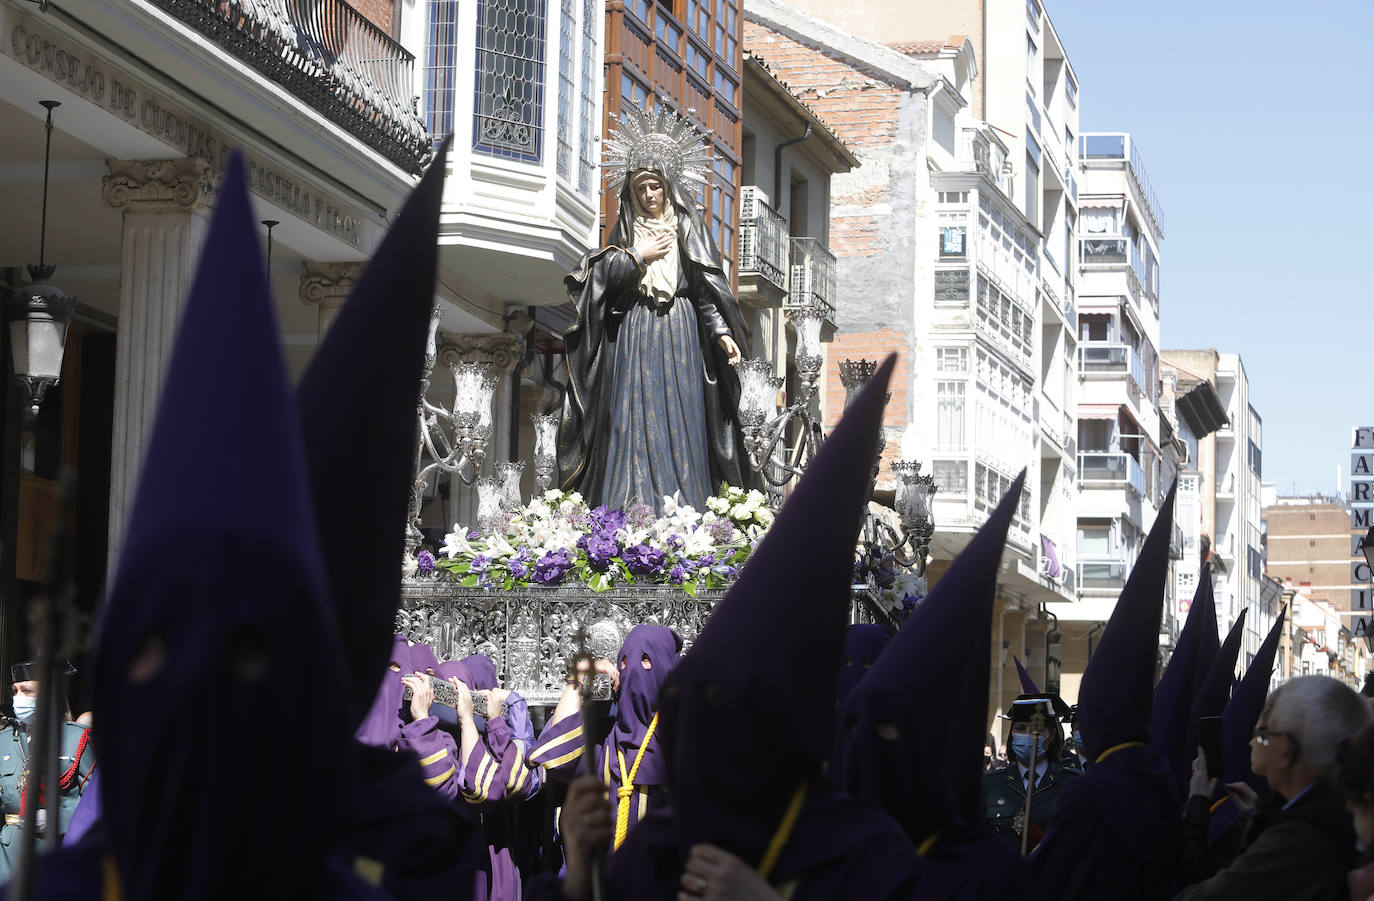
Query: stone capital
{"x": 158, "y": 186}
{"x": 323, "y": 282}
{"x": 503, "y": 351}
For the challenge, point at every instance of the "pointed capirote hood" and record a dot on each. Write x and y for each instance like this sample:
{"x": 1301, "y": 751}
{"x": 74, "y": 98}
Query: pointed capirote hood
{"x": 766, "y": 664}
{"x": 863, "y": 642}
{"x": 218, "y": 580}
{"x": 1215, "y": 690}
{"x": 1028, "y": 685}
{"x": 1209, "y": 635}
{"x": 1117, "y": 692}
{"x": 934, "y": 693}
{"x": 1173, "y": 703}
{"x": 357, "y": 407}
{"x": 1247, "y": 703}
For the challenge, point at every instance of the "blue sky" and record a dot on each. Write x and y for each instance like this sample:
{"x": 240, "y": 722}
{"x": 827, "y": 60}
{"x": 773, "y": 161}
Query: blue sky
{"x": 1256, "y": 125}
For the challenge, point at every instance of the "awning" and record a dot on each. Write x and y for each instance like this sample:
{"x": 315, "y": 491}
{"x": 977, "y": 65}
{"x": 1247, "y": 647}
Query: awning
{"x": 1109, "y": 201}
{"x": 1098, "y": 411}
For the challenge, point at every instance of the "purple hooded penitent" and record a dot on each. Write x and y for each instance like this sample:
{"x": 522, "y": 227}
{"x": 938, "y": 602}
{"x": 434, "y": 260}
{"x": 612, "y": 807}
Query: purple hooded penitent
{"x": 916, "y": 753}
{"x": 1092, "y": 850}
{"x": 1028, "y": 685}
{"x": 1170, "y": 726}
{"x": 358, "y": 425}
{"x": 382, "y": 723}
{"x": 639, "y": 691}
{"x": 423, "y": 659}
{"x": 762, "y": 677}
{"x": 1247, "y": 702}
{"x": 483, "y": 671}
{"x": 204, "y": 618}
{"x": 1215, "y": 690}
{"x": 863, "y": 642}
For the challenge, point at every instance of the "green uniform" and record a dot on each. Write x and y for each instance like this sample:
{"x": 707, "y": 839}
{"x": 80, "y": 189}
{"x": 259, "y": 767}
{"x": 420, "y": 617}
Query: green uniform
{"x": 74, "y": 766}
{"x": 1004, "y": 800}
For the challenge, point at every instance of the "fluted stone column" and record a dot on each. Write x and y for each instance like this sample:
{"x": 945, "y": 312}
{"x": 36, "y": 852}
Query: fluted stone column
{"x": 166, "y": 205}
{"x": 326, "y": 286}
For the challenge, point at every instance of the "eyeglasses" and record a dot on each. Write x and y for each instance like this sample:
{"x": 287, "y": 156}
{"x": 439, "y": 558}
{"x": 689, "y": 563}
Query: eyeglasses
{"x": 1263, "y": 735}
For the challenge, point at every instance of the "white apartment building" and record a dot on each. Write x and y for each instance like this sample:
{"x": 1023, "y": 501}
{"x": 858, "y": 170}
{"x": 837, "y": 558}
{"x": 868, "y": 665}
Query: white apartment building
{"x": 1229, "y": 467}
{"x": 941, "y": 263}
{"x": 1120, "y": 460}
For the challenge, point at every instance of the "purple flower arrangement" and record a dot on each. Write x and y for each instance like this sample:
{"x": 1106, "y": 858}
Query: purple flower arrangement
{"x": 557, "y": 540}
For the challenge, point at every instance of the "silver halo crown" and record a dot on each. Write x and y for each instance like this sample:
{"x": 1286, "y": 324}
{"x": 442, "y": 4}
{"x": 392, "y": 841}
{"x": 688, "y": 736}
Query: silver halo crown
{"x": 660, "y": 140}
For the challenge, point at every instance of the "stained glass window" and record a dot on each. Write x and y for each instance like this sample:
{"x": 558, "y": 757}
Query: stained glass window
{"x": 509, "y": 119}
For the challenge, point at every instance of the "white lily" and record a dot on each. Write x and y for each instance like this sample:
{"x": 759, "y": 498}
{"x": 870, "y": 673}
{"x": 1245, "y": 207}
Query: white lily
{"x": 697, "y": 542}
{"x": 456, "y": 542}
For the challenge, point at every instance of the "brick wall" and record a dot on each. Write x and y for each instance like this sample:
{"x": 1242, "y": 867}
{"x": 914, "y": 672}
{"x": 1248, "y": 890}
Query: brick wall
{"x": 378, "y": 11}
{"x": 864, "y": 113}
{"x": 871, "y": 346}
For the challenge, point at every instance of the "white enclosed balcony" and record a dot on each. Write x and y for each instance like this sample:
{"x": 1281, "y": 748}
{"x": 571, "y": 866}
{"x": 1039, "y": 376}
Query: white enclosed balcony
{"x": 1102, "y": 576}
{"x": 519, "y": 85}
{"x": 1104, "y": 469}
{"x": 1098, "y": 360}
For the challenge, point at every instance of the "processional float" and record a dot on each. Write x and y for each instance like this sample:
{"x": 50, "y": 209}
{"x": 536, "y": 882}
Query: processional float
{"x": 534, "y": 583}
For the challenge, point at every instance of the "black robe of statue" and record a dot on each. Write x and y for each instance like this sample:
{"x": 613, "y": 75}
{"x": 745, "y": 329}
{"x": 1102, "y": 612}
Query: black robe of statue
{"x": 701, "y": 388}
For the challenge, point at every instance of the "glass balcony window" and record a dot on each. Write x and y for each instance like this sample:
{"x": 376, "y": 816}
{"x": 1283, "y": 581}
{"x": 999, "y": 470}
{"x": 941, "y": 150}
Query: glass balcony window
{"x": 1102, "y": 469}
{"x": 1115, "y": 358}
{"x": 1102, "y": 575}
{"x": 509, "y": 119}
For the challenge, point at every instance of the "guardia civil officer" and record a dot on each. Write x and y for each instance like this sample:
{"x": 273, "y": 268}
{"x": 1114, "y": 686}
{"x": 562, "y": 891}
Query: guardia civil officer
{"x": 19, "y": 783}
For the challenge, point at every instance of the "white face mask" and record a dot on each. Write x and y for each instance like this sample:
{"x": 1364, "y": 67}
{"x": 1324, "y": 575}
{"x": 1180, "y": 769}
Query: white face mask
{"x": 24, "y": 707}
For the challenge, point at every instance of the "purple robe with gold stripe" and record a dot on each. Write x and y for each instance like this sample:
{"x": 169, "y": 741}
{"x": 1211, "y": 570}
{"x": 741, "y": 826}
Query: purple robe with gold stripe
{"x": 559, "y": 752}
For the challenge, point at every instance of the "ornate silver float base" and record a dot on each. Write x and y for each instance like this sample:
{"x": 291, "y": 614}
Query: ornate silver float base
{"x": 528, "y": 632}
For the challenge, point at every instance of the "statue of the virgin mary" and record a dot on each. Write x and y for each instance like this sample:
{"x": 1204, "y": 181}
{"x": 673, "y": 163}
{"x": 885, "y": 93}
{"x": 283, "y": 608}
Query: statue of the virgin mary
{"x": 651, "y": 406}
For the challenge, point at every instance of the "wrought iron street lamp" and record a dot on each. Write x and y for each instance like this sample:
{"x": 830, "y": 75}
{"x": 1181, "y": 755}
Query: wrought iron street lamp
{"x": 913, "y": 497}
{"x": 40, "y": 312}
{"x": 915, "y": 494}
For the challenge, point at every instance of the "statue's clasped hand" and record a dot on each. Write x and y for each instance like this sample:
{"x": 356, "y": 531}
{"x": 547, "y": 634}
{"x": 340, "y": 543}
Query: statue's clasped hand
{"x": 731, "y": 349}
{"x": 655, "y": 248}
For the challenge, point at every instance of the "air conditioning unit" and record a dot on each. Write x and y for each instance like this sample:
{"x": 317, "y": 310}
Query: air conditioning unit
{"x": 749, "y": 198}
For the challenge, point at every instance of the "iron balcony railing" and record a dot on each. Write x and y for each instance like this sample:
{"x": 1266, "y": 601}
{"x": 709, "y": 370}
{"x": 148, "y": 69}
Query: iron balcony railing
{"x": 1097, "y": 469}
{"x": 813, "y": 276}
{"x": 762, "y": 238}
{"x": 330, "y": 56}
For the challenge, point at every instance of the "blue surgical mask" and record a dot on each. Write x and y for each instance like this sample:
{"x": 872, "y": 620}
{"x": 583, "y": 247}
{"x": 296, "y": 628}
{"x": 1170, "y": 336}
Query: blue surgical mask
{"x": 1078, "y": 739}
{"x": 24, "y": 707}
{"x": 1021, "y": 747}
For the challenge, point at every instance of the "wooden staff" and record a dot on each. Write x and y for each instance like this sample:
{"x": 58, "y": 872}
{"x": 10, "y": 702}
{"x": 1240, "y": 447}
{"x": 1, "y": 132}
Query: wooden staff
{"x": 1036, "y": 728}
{"x": 598, "y": 875}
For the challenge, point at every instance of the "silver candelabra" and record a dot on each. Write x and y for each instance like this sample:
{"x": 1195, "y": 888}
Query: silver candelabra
{"x": 766, "y": 426}
{"x": 454, "y": 439}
